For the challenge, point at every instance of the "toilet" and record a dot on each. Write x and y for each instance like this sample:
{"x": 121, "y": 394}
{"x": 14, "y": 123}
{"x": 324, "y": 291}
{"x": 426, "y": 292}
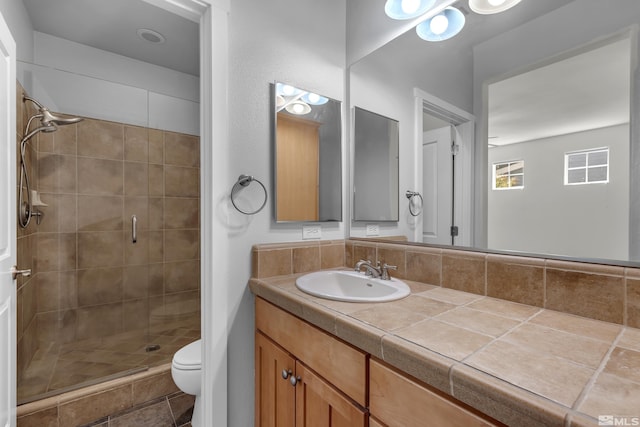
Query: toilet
{"x": 186, "y": 370}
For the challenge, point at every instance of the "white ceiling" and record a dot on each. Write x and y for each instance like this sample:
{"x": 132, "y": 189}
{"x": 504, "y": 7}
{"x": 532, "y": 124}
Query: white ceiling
{"x": 112, "y": 25}
{"x": 587, "y": 91}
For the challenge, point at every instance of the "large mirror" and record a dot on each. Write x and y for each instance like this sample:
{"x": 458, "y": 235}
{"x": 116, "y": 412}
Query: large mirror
{"x": 307, "y": 156}
{"x": 564, "y": 69}
{"x": 375, "y": 167}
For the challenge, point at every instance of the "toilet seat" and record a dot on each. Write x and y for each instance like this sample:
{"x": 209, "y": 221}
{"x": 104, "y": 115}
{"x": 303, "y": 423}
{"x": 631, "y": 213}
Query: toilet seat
{"x": 189, "y": 357}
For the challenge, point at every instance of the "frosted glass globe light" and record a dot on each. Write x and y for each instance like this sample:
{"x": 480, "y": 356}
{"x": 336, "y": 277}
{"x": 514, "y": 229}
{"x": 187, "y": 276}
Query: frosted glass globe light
{"x": 313, "y": 97}
{"x": 496, "y": 2}
{"x": 288, "y": 90}
{"x": 439, "y": 24}
{"x": 298, "y": 108}
{"x": 410, "y": 6}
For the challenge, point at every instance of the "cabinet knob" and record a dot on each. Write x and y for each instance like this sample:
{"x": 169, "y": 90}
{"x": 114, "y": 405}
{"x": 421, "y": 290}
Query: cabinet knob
{"x": 295, "y": 380}
{"x": 286, "y": 373}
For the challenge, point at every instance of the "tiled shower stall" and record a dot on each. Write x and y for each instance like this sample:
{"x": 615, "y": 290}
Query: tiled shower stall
{"x": 97, "y": 304}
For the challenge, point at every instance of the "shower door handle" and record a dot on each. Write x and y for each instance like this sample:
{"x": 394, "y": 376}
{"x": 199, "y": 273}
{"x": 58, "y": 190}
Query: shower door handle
{"x": 134, "y": 229}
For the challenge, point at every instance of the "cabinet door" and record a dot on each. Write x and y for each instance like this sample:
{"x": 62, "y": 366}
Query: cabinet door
{"x": 275, "y": 396}
{"x": 318, "y": 404}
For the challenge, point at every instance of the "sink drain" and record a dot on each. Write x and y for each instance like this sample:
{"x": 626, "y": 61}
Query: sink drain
{"x": 152, "y": 347}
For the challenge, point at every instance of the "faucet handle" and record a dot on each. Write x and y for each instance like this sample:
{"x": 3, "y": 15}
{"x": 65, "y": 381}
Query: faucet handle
{"x": 385, "y": 271}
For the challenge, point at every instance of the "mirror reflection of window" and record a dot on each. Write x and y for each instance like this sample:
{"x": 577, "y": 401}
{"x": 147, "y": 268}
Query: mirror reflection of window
{"x": 307, "y": 156}
{"x": 556, "y": 123}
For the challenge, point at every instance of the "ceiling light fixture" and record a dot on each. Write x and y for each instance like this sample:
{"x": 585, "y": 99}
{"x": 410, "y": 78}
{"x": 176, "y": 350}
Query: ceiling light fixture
{"x": 443, "y": 26}
{"x": 150, "y": 36}
{"x": 487, "y": 7}
{"x": 407, "y": 9}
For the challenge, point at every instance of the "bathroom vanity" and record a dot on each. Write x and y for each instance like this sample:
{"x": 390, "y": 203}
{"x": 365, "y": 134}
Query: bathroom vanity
{"x": 440, "y": 356}
{"x": 321, "y": 380}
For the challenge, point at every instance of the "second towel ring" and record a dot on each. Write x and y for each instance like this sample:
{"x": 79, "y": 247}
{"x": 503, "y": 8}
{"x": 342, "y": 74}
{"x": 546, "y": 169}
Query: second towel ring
{"x": 242, "y": 182}
{"x": 411, "y": 195}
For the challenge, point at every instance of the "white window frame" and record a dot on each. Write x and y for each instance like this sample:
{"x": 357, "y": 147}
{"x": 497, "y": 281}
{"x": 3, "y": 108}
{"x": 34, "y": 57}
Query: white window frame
{"x": 508, "y": 163}
{"x": 586, "y": 167}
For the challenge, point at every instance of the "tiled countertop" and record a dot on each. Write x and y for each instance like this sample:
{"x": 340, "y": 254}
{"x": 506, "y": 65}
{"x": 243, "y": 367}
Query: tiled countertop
{"x": 522, "y": 365}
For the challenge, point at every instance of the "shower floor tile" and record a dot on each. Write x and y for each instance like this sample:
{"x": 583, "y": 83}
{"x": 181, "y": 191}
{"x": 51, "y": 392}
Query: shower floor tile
{"x": 58, "y": 368}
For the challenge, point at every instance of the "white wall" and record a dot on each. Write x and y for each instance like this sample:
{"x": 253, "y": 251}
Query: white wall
{"x": 535, "y": 41}
{"x": 546, "y": 216}
{"x": 76, "y": 79}
{"x": 301, "y": 42}
{"x": 16, "y": 17}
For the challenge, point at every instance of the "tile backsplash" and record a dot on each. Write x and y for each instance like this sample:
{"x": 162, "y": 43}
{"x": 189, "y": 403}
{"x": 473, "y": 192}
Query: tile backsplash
{"x": 602, "y": 292}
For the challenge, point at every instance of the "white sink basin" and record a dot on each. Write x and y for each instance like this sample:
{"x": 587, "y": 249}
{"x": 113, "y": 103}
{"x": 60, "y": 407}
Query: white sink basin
{"x": 351, "y": 286}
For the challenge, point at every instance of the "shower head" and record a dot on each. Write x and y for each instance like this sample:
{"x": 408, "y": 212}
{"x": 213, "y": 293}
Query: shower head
{"x": 48, "y": 119}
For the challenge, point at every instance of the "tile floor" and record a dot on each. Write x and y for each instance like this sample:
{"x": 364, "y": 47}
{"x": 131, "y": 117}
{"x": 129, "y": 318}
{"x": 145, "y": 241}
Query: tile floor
{"x": 170, "y": 411}
{"x": 58, "y": 368}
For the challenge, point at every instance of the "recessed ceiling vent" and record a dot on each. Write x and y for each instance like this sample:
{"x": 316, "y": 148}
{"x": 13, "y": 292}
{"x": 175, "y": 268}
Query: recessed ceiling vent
{"x": 151, "y": 36}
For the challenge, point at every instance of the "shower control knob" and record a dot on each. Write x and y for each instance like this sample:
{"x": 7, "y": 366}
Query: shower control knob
{"x": 15, "y": 272}
{"x": 285, "y": 374}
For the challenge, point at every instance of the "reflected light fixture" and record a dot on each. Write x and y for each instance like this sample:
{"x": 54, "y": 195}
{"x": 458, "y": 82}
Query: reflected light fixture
{"x": 314, "y": 99}
{"x": 443, "y": 26}
{"x": 298, "y": 107}
{"x": 487, "y": 7}
{"x": 407, "y": 9}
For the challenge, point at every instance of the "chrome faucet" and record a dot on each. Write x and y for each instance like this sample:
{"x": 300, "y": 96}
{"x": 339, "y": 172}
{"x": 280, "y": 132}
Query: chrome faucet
{"x": 377, "y": 271}
{"x": 370, "y": 270}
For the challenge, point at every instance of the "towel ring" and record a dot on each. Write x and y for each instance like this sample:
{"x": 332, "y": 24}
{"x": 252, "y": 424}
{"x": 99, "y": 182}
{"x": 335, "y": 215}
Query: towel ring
{"x": 244, "y": 181}
{"x": 411, "y": 195}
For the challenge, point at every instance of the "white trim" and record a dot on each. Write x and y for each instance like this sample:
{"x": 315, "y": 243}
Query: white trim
{"x": 464, "y": 123}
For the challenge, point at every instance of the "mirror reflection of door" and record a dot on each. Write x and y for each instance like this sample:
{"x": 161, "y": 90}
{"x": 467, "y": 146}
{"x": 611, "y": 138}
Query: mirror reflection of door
{"x": 437, "y": 186}
{"x": 559, "y": 156}
{"x": 297, "y": 173}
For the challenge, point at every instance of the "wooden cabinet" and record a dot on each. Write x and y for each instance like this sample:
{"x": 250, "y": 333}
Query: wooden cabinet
{"x": 329, "y": 377}
{"x": 399, "y": 401}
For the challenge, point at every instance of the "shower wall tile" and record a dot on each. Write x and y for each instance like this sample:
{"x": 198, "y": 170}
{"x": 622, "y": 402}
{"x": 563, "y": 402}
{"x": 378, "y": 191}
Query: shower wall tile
{"x": 67, "y": 213}
{"x": 100, "y": 285}
{"x": 65, "y": 139}
{"x": 136, "y": 179}
{"x": 136, "y": 253}
{"x": 156, "y": 246}
{"x": 181, "y": 276}
{"x": 136, "y": 144}
{"x": 100, "y": 249}
{"x": 101, "y": 139}
{"x": 181, "y": 244}
{"x": 68, "y": 255}
{"x": 181, "y": 213}
{"x": 156, "y": 146}
{"x": 48, "y": 291}
{"x": 156, "y": 213}
{"x": 156, "y": 279}
{"x": 68, "y": 283}
{"x": 136, "y": 282}
{"x": 181, "y": 149}
{"x": 48, "y": 255}
{"x": 181, "y": 181}
{"x": 156, "y": 180}
{"x": 96, "y": 176}
{"x": 100, "y": 213}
